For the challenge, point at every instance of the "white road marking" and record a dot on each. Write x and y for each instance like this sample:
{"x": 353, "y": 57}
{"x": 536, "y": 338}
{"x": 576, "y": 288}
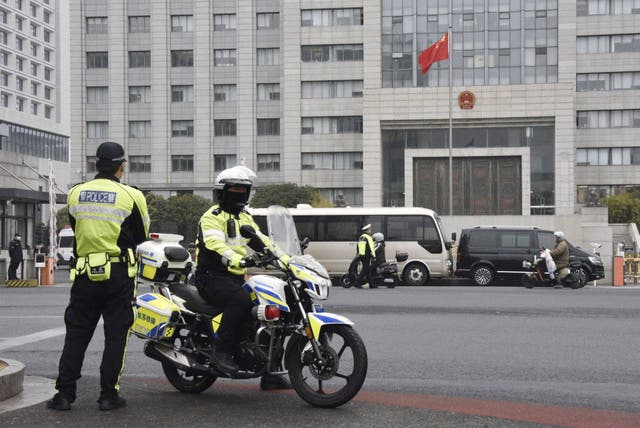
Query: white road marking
{"x": 30, "y": 338}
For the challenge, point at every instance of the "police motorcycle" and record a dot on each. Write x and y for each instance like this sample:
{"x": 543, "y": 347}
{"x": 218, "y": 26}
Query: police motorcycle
{"x": 538, "y": 275}
{"x": 386, "y": 273}
{"x": 324, "y": 357}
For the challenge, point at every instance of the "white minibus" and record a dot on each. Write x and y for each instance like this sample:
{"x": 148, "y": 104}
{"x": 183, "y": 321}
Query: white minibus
{"x": 334, "y": 234}
{"x": 66, "y": 239}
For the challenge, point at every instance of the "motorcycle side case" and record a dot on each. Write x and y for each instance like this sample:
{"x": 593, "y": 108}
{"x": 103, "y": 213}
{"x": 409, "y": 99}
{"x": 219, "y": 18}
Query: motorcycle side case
{"x": 154, "y": 316}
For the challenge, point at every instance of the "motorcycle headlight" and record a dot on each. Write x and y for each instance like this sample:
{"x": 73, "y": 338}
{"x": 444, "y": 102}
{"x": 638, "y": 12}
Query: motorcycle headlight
{"x": 526, "y": 264}
{"x": 595, "y": 260}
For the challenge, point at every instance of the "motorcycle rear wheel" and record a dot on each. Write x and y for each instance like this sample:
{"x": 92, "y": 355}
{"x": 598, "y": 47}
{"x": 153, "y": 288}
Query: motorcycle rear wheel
{"x": 340, "y": 379}
{"x": 183, "y": 380}
{"x": 347, "y": 280}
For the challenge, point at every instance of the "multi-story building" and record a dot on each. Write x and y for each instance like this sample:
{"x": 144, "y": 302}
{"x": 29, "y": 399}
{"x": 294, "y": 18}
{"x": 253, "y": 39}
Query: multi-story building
{"x": 34, "y": 112}
{"x": 329, "y": 93}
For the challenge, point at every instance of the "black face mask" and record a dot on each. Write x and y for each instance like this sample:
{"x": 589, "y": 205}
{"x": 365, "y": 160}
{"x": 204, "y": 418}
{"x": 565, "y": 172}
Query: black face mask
{"x": 233, "y": 202}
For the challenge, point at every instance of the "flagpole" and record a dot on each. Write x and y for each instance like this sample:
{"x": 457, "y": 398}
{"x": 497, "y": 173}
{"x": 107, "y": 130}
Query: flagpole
{"x": 450, "y": 48}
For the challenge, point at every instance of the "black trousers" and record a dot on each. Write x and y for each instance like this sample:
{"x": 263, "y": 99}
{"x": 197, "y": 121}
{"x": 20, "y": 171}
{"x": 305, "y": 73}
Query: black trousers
{"x": 89, "y": 300}
{"x": 225, "y": 290}
{"x": 13, "y": 268}
{"x": 365, "y": 273}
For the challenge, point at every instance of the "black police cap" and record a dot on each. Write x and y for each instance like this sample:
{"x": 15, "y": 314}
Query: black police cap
{"x": 110, "y": 151}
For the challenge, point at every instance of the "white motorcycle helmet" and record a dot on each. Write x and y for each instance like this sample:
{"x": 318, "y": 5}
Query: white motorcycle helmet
{"x": 236, "y": 176}
{"x": 378, "y": 237}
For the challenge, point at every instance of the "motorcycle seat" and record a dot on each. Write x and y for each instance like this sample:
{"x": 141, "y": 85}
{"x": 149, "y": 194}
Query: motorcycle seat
{"x": 193, "y": 300}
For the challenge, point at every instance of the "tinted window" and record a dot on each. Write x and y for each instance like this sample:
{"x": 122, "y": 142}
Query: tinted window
{"x": 546, "y": 240}
{"x": 482, "y": 239}
{"x": 66, "y": 241}
{"x": 377, "y": 223}
{"x": 342, "y": 228}
{"x": 405, "y": 228}
{"x": 513, "y": 239}
{"x": 305, "y": 225}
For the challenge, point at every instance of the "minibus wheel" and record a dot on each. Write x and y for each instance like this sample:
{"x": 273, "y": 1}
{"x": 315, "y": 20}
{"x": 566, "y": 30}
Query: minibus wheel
{"x": 415, "y": 274}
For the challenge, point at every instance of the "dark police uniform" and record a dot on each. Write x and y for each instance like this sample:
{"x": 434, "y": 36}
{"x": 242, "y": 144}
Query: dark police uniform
{"x": 15, "y": 256}
{"x": 109, "y": 220}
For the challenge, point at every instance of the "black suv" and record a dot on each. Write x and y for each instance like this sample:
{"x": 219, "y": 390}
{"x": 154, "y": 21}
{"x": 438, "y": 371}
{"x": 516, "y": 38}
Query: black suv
{"x": 486, "y": 253}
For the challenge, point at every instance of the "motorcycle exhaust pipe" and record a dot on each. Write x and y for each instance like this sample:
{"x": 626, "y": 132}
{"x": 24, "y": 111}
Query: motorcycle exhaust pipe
{"x": 163, "y": 353}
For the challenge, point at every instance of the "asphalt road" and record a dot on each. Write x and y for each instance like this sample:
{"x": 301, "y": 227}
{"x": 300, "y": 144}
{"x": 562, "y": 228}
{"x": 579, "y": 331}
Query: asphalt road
{"x": 438, "y": 356}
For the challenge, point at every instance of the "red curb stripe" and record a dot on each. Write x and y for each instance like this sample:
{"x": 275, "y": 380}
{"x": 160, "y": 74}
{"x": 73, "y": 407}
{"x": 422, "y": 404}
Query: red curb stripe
{"x": 566, "y": 416}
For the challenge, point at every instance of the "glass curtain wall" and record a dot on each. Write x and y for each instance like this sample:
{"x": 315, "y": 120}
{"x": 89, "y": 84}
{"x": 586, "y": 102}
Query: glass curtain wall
{"x": 494, "y": 42}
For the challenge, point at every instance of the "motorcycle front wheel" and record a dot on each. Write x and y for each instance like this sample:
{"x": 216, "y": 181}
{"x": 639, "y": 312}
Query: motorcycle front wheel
{"x": 528, "y": 281}
{"x": 183, "y": 380}
{"x": 339, "y": 379}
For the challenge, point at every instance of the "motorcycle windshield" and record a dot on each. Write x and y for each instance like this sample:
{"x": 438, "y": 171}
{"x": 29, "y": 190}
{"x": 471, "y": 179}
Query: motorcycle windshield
{"x": 282, "y": 230}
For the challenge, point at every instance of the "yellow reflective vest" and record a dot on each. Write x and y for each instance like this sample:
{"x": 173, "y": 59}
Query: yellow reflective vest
{"x": 220, "y": 247}
{"x": 107, "y": 217}
{"x": 365, "y": 245}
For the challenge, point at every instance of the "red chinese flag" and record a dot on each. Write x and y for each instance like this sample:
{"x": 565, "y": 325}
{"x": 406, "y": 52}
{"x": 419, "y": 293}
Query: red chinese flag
{"x": 438, "y": 51}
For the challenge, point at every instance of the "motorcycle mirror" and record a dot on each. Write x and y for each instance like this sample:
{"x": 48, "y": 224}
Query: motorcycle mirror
{"x": 304, "y": 243}
{"x": 247, "y": 231}
{"x": 454, "y": 236}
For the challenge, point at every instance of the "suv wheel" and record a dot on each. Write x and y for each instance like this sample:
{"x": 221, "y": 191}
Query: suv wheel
{"x": 482, "y": 275}
{"x": 415, "y": 274}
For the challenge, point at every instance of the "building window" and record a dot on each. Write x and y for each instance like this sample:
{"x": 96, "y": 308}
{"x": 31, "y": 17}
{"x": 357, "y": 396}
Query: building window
{"x": 224, "y": 127}
{"x": 269, "y": 162}
{"x": 20, "y": 84}
{"x": 139, "y": 163}
{"x": 181, "y": 23}
{"x": 139, "y": 128}
{"x": 34, "y": 29}
{"x": 98, "y": 25}
{"x": 338, "y": 160}
{"x": 34, "y": 69}
{"x": 3, "y": 16}
{"x": 268, "y": 56}
{"x": 224, "y": 57}
{"x": 268, "y": 21}
{"x": 608, "y": 81}
{"x": 20, "y": 104}
{"x": 97, "y": 60}
{"x": 331, "y": 17}
{"x": 4, "y": 99}
{"x": 224, "y": 93}
{"x": 4, "y": 78}
{"x": 268, "y": 91}
{"x": 607, "y": 7}
{"x": 182, "y": 128}
{"x": 47, "y": 92}
{"x": 332, "y": 89}
{"x": 47, "y": 36}
{"x": 182, "y": 93}
{"x": 34, "y": 10}
{"x": 34, "y": 49}
{"x": 19, "y": 23}
{"x": 182, "y": 58}
{"x": 97, "y": 129}
{"x": 3, "y": 37}
{"x": 331, "y": 53}
{"x": 47, "y": 111}
{"x": 19, "y": 43}
{"x": 19, "y": 4}
{"x": 19, "y": 63}
{"x": 332, "y": 125}
{"x": 46, "y": 15}
{"x": 181, "y": 163}
{"x": 222, "y": 162}
{"x": 608, "y": 119}
{"x": 224, "y": 22}
{"x": 47, "y": 55}
{"x": 91, "y": 164}
{"x": 47, "y": 74}
{"x": 34, "y": 107}
{"x": 139, "y": 59}
{"x": 139, "y": 94}
{"x": 34, "y": 88}
{"x": 620, "y": 43}
{"x": 4, "y": 58}
{"x": 268, "y": 127}
{"x": 97, "y": 95}
{"x": 139, "y": 24}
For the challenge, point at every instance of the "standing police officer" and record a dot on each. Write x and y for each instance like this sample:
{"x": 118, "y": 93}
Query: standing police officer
{"x": 109, "y": 220}
{"x": 222, "y": 262}
{"x": 367, "y": 253}
{"x": 15, "y": 256}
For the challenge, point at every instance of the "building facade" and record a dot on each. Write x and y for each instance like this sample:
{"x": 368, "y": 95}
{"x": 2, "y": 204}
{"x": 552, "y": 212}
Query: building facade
{"x": 329, "y": 93}
{"x": 34, "y": 112}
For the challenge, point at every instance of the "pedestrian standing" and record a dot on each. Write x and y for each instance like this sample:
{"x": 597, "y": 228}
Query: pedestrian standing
{"x": 109, "y": 220}
{"x": 15, "y": 256}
